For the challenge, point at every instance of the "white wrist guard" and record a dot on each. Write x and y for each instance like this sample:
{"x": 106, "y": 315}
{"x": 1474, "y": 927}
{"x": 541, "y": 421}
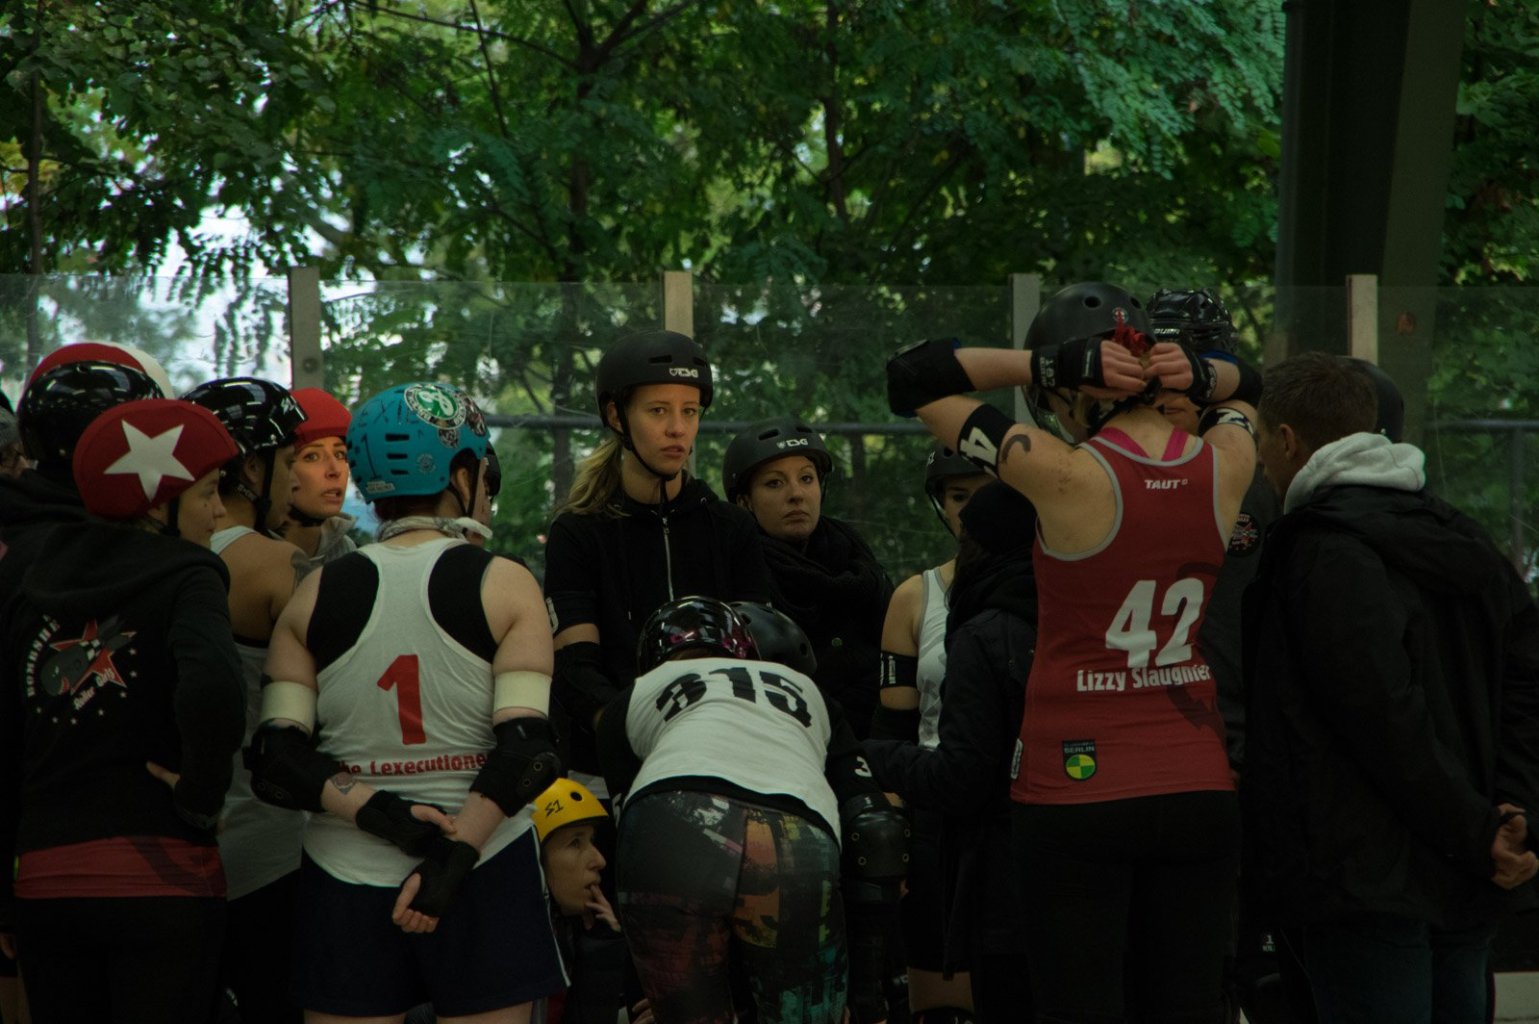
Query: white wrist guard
{"x": 292, "y": 702}
{"x": 522, "y": 689}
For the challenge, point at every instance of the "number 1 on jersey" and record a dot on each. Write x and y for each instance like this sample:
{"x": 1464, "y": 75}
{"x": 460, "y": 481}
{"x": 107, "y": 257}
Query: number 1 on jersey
{"x": 403, "y": 677}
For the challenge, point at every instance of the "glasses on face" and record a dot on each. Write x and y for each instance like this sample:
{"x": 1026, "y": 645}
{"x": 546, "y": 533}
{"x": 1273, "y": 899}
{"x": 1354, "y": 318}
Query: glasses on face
{"x": 493, "y": 473}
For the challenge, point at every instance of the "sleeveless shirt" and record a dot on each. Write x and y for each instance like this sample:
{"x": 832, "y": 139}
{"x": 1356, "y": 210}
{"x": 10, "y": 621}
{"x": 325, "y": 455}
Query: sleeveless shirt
{"x": 1120, "y": 702}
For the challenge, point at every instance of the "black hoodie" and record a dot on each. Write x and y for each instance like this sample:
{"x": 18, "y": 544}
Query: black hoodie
{"x": 116, "y": 651}
{"x": 614, "y": 570}
{"x": 991, "y": 638}
{"x": 30, "y": 505}
{"x": 1392, "y": 664}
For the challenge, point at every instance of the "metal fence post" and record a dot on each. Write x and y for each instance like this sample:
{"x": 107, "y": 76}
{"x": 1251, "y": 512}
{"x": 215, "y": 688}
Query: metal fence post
{"x": 1025, "y": 300}
{"x": 679, "y": 314}
{"x": 1363, "y": 317}
{"x": 679, "y": 301}
{"x": 307, "y": 368}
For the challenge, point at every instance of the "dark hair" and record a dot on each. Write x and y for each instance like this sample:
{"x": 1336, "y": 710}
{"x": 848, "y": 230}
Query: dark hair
{"x": 404, "y": 505}
{"x": 1323, "y": 398}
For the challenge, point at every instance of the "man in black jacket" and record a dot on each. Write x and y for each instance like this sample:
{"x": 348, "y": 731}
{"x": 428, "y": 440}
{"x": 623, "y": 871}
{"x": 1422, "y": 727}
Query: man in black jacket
{"x": 1392, "y": 660}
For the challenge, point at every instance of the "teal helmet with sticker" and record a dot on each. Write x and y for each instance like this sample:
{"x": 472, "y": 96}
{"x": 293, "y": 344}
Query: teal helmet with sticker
{"x": 403, "y": 441}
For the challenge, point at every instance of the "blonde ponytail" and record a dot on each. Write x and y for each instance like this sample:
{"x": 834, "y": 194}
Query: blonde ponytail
{"x": 597, "y": 480}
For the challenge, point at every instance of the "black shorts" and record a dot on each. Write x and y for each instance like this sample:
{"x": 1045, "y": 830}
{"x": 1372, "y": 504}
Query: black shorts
{"x": 495, "y": 947}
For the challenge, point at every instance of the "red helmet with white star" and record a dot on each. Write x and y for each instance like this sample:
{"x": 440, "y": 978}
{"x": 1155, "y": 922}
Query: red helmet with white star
{"x": 141, "y": 454}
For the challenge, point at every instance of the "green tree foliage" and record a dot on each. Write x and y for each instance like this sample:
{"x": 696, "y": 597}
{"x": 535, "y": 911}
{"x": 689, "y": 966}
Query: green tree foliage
{"x": 136, "y": 118}
{"x": 522, "y": 140}
{"x": 1493, "y": 193}
{"x": 830, "y": 170}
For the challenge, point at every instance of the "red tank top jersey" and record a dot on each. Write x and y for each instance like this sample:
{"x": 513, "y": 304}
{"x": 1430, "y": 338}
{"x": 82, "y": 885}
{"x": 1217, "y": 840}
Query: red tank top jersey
{"x": 1119, "y": 702}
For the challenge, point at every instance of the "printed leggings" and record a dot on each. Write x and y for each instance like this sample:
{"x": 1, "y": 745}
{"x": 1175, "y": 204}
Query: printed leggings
{"x": 708, "y": 883}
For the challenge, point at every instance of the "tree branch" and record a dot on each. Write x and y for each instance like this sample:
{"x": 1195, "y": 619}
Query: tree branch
{"x": 491, "y": 79}
{"x": 623, "y": 32}
{"x": 503, "y": 36}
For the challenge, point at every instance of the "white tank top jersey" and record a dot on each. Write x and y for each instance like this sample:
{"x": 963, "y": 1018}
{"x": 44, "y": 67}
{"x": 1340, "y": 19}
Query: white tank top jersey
{"x": 406, "y": 709}
{"x": 932, "y": 656}
{"x": 758, "y": 725}
{"x": 258, "y": 843}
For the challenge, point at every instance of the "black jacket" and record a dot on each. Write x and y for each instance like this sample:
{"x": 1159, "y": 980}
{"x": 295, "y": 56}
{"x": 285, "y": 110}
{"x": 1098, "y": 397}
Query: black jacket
{"x": 116, "y": 651}
{"x": 990, "y": 643}
{"x": 30, "y": 505}
{"x": 838, "y": 593}
{"x": 1392, "y": 663}
{"x": 615, "y": 570}
{"x": 1219, "y": 639}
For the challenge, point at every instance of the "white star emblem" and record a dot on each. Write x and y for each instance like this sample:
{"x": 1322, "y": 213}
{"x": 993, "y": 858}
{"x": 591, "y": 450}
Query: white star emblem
{"x": 151, "y": 459}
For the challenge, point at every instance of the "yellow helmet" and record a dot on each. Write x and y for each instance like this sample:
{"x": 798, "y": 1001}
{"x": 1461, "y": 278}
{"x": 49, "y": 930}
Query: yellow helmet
{"x": 566, "y": 802}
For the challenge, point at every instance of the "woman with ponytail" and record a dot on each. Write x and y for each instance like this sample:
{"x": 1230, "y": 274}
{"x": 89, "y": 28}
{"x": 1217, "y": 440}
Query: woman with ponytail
{"x": 637, "y": 531}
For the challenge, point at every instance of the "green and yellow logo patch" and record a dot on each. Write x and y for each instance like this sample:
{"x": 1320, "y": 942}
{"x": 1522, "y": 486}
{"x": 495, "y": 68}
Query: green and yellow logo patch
{"x": 1079, "y": 759}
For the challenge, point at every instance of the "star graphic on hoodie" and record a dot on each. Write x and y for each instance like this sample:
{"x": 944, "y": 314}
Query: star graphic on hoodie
{"x": 89, "y": 656}
{"x": 152, "y": 459}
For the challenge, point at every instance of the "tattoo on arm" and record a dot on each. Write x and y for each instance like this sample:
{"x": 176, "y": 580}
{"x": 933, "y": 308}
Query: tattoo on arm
{"x": 343, "y": 781}
{"x": 1021, "y": 440}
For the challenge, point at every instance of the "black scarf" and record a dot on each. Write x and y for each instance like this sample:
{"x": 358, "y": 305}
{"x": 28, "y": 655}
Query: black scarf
{"x": 836, "y": 571}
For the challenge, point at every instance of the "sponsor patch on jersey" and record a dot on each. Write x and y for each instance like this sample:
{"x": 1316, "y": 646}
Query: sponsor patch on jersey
{"x": 1079, "y": 759}
{"x": 555, "y": 620}
{"x": 1246, "y": 537}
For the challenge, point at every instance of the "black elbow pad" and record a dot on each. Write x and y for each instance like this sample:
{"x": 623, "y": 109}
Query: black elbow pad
{"x": 876, "y": 837}
{"x": 286, "y": 769}
{"x": 924, "y": 373}
{"x": 522, "y": 764}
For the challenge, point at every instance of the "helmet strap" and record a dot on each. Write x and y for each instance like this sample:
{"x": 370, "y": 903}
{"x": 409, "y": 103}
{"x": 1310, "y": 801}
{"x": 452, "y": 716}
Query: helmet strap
{"x": 170, "y": 527}
{"x": 261, "y": 501}
{"x": 940, "y": 512}
{"x": 1102, "y": 413}
{"x": 625, "y": 440}
{"x": 467, "y": 507}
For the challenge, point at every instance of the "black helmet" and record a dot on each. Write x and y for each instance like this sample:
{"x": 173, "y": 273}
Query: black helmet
{"x": 62, "y": 401}
{"x": 1196, "y": 319}
{"x": 692, "y": 623}
{"x": 776, "y": 636}
{"x": 652, "y": 357}
{"x": 1091, "y": 310}
{"x": 771, "y": 439}
{"x": 942, "y": 463}
{"x": 259, "y": 414}
{"x": 1391, "y": 418}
